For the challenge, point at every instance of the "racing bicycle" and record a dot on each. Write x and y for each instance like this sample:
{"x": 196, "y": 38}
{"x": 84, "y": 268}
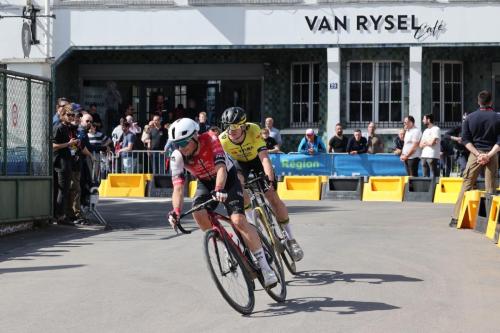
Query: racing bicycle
{"x": 232, "y": 265}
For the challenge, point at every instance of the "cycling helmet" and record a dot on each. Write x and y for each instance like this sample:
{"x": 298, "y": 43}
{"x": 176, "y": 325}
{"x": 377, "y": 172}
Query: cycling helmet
{"x": 182, "y": 130}
{"x": 234, "y": 116}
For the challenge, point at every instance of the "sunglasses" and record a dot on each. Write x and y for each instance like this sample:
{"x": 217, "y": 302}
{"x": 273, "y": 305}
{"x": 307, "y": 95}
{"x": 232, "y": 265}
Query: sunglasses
{"x": 234, "y": 127}
{"x": 183, "y": 143}
{"x": 70, "y": 114}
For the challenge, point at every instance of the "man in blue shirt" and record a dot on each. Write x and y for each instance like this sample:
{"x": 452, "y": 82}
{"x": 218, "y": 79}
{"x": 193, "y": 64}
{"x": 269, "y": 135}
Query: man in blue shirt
{"x": 127, "y": 145}
{"x": 481, "y": 137}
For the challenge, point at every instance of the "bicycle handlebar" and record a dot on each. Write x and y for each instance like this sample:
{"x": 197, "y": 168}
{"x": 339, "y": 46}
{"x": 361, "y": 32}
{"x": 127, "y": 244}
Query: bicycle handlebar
{"x": 194, "y": 209}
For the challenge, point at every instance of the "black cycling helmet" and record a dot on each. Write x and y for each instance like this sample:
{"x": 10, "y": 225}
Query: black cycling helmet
{"x": 234, "y": 116}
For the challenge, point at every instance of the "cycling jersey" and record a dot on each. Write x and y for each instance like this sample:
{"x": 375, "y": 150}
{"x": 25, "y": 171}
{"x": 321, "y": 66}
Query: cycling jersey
{"x": 249, "y": 148}
{"x": 202, "y": 165}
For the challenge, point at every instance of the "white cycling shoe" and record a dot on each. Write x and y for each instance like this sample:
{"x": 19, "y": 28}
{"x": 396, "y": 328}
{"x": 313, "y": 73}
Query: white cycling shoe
{"x": 270, "y": 278}
{"x": 296, "y": 250}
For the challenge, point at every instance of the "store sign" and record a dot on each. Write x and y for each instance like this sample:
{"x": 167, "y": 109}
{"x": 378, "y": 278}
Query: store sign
{"x": 374, "y": 23}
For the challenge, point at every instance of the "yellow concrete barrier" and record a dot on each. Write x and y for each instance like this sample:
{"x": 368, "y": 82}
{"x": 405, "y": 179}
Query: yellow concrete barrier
{"x": 193, "y": 185}
{"x": 300, "y": 188}
{"x": 493, "y": 218}
{"x": 468, "y": 210}
{"x": 102, "y": 188}
{"x": 447, "y": 189}
{"x": 384, "y": 189}
{"x": 125, "y": 185}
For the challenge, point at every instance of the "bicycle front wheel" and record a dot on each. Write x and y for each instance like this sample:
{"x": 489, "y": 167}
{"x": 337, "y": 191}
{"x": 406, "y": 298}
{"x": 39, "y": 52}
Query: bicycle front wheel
{"x": 228, "y": 272}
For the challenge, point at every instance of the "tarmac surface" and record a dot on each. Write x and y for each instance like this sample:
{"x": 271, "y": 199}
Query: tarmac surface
{"x": 368, "y": 267}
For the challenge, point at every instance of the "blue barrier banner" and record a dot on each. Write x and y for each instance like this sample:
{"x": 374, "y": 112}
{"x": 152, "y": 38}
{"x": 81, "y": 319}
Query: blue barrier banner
{"x": 338, "y": 165}
{"x": 368, "y": 165}
{"x": 302, "y": 164}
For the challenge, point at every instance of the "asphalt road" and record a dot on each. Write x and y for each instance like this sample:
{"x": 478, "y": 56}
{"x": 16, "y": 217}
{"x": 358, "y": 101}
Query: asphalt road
{"x": 368, "y": 267}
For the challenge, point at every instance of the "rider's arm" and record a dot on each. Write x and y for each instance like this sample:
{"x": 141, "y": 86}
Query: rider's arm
{"x": 220, "y": 181}
{"x": 177, "y": 169}
{"x": 178, "y": 198}
{"x": 266, "y": 164}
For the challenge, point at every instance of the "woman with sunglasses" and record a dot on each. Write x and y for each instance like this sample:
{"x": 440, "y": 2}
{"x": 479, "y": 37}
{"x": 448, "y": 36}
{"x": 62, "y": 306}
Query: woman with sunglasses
{"x": 63, "y": 143}
{"x": 243, "y": 142}
{"x": 202, "y": 155}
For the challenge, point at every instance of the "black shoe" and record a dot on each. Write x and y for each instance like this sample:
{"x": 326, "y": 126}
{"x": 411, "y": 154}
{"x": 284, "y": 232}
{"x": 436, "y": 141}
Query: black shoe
{"x": 453, "y": 223}
{"x": 65, "y": 221}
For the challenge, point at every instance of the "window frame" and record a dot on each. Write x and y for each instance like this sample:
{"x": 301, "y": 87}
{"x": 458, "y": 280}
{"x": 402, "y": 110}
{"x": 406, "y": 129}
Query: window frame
{"x": 442, "y": 102}
{"x": 375, "y": 91}
{"x": 310, "y": 83}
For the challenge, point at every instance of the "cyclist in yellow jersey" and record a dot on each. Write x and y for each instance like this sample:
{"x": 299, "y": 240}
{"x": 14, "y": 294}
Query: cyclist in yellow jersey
{"x": 243, "y": 142}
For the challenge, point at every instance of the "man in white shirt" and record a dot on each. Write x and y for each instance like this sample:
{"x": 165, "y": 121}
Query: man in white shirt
{"x": 431, "y": 147}
{"x": 273, "y": 131}
{"x": 411, "y": 150}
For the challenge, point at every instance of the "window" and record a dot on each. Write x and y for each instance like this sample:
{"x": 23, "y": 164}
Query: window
{"x": 180, "y": 95}
{"x": 447, "y": 84}
{"x": 305, "y": 95}
{"x": 375, "y": 92}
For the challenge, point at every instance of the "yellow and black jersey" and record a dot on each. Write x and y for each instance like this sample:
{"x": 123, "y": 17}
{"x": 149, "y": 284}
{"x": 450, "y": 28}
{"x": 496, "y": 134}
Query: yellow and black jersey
{"x": 249, "y": 148}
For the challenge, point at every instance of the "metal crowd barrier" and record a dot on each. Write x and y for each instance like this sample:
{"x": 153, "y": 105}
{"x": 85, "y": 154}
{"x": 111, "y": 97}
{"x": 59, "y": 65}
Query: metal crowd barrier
{"x": 137, "y": 161}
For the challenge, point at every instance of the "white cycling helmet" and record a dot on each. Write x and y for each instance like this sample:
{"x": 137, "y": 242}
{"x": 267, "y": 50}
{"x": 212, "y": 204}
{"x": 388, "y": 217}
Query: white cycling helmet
{"x": 182, "y": 130}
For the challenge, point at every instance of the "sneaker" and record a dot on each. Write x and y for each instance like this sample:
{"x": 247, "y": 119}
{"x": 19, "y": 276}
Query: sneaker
{"x": 453, "y": 223}
{"x": 270, "y": 279}
{"x": 295, "y": 249}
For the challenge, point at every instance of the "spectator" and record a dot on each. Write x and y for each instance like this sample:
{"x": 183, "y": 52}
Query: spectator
{"x": 338, "y": 142}
{"x": 273, "y": 131}
{"x": 375, "y": 143}
{"x": 481, "y": 137}
{"x": 56, "y": 119}
{"x": 80, "y": 175}
{"x": 311, "y": 143}
{"x": 98, "y": 140}
{"x": 271, "y": 144}
{"x": 431, "y": 147}
{"x": 357, "y": 144}
{"x": 134, "y": 127}
{"x": 117, "y": 133}
{"x": 399, "y": 142}
{"x": 445, "y": 157}
{"x": 191, "y": 111}
{"x": 127, "y": 145}
{"x": 179, "y": 112}
{"x": 215, "y": 130}
{"x": 462, "y": 154}
{"x": 158, "y": 140}
{"x": 410, "y": 155}
{"x": 202, "y": 122}
{"x": 146, "y": 135}
{"x": 96, "y": 118}
{"x": 62, "y": 145}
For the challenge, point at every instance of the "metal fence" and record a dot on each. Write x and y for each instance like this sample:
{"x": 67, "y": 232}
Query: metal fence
{"x": 25, "y": 125}
{"x": 137, "y": 161}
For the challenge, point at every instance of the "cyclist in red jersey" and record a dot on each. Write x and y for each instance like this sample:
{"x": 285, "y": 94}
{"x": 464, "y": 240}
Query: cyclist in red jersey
{"x": 202, "y": 155}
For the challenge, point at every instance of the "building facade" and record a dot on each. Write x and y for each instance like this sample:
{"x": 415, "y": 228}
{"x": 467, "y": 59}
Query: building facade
{"x": 305, "y": 63}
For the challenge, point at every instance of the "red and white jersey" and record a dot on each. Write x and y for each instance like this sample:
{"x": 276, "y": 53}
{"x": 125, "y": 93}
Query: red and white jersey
{"x": 202, "y": 165}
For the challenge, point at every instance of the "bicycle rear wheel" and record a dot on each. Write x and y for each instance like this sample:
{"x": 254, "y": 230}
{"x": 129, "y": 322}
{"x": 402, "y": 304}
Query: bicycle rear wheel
{"x": 228, "y": 272}
{"x": 284, "y": 250}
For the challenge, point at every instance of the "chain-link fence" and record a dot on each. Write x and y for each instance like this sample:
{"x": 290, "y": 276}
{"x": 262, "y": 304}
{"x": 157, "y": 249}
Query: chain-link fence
{"x": 24, "y": 125}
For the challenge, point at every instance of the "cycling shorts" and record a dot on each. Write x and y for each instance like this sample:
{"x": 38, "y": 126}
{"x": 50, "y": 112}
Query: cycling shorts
{"x": 234, "y": 202}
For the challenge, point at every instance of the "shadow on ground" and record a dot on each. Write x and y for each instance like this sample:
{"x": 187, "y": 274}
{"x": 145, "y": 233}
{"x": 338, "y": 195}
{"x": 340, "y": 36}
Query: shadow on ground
{"x": 323, "y": 277}
{"x": 321, "y": 304}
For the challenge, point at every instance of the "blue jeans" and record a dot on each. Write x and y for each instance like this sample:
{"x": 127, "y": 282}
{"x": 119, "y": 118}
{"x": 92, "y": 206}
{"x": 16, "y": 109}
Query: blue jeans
{"x": 128, "y": 164}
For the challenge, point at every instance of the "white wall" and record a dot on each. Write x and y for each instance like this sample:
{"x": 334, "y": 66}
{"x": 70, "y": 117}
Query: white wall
{"x": 10, "y": 31}
{"x": 181, "y": 26}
